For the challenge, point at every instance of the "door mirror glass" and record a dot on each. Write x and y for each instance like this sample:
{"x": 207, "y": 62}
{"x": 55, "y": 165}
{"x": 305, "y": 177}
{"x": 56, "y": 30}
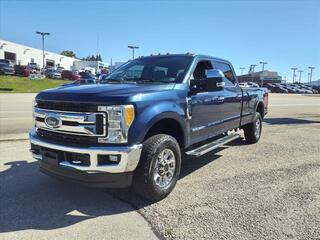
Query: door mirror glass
{"x": 214, "y": 80}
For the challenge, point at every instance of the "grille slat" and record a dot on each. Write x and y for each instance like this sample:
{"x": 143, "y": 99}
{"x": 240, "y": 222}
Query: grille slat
{"x": 67, "y": 138}
{"x": 67, "y": 106}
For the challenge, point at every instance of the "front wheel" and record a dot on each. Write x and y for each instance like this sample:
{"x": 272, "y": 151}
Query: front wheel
{"x": 252, "y": 131}
{"x": 159, "y": 167}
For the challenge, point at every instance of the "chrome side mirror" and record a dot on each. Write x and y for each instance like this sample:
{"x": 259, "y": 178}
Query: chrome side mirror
{"x": 215, "y": 80}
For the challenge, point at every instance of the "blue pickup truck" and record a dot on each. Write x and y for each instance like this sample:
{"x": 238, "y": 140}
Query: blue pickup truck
{"x": 133, "y": 128}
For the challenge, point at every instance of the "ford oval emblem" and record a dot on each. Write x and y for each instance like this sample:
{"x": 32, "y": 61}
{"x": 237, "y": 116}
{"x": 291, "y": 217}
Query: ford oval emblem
{"x": 52, "y": 121}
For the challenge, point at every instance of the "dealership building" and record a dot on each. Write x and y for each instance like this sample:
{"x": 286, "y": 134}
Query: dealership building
{"x": 262, "y": 76}
{"x": 23, "y": 55}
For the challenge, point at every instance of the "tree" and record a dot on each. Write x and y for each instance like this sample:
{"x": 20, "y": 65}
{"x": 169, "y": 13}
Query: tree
{"x": 68, "y": 53}
{"x": 93, "y": 58}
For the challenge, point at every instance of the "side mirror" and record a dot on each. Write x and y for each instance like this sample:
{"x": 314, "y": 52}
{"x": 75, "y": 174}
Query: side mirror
{"x": 214, "y": 80}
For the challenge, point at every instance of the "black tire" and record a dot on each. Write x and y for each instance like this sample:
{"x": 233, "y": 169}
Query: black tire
{"x": 252, "y": 131}
{"x": 143, "y": 180}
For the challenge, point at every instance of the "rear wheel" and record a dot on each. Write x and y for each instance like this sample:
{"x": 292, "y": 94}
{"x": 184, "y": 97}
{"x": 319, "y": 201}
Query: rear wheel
{"x": 159, "y": 167}
{"x": 252, "y": 131}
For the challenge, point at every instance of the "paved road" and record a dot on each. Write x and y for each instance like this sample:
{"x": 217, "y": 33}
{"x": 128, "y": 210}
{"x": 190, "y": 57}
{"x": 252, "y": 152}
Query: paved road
{"x": 16, "y": 111}
{"x": 34, "y": 206}
{"x": 15, "y": 115}
{"x": 269, "y": 190}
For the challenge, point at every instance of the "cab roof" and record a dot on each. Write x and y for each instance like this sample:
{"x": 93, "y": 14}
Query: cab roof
{"x": 193, "y": 55}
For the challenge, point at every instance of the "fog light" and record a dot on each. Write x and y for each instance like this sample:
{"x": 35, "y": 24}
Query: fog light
{"x": 108, "y": 159}
{"x": 114, "y": 158}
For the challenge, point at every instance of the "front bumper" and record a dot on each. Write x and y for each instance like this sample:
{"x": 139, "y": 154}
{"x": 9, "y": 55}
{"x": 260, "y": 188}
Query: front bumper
{"x": 94, "y": 174}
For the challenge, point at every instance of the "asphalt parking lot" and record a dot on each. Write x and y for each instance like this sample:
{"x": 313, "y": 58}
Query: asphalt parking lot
{"x": 269, "y": 190}
{"x": 15, "y": 115}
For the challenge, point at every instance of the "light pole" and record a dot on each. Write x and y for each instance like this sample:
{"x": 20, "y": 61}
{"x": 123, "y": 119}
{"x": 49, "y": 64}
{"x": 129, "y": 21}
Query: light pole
{"x": 294, "y": 74}
{"x": 133, "y": 47}
{"x": 263, "y": 63}
{"x": 42, "y": 35}
{"x": 300, "y": 71}
{"x": 252, "y": 66}
{"x": 242, "y": 68}
{"x": 311, "y": 68}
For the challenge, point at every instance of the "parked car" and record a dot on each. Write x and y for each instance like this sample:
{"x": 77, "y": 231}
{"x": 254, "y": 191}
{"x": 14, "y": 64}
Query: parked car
{"x": 316, "y": 89}
{"x": 253, "y": 84}
{"x": 23, "y": 70}
{"x": 103, "y": 77}
{"x": 71, "y": 75}
{"x": 34, "y": 66}
{"x": 134, "y": 127}
{"x": 88, "y": 77}
{"x": 52, "y": 73}
{"x": 6, "y": 69}
{"x": 5, "y": 61}
{"x": 244, "y": 85}
{"x": 60, "y": 69}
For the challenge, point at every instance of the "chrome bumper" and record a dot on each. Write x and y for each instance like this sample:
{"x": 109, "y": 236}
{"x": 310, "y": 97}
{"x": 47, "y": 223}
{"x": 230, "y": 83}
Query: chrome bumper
{"x": 130, "y": 155}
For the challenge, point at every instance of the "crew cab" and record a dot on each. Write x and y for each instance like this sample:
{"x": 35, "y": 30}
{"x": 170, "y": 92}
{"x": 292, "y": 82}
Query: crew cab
{"x": 133, "y": 128}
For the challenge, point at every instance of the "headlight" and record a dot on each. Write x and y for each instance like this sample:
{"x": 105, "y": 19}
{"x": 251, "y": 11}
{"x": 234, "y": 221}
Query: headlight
{"x": 120, "y": 118}
{"x": 34, "y": 105}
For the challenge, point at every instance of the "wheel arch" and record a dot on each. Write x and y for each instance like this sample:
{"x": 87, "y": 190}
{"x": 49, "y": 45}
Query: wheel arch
{"x": 260, "y": 108}
{"x": 170, "y": 126}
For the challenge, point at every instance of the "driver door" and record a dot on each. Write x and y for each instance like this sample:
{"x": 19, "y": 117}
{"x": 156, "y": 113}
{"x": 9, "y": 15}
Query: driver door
{"x": 206, "y": 107}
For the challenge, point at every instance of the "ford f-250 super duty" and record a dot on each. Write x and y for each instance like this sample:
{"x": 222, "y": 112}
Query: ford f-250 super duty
{"x": 133, "y": 127}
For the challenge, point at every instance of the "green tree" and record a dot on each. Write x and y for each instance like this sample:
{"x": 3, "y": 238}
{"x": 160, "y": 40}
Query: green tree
{"x": 68, "y": 53}
{"x": 92, "y": 58}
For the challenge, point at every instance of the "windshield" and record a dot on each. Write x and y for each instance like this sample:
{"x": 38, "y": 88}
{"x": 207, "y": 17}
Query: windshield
{"x": 152, "y": 69}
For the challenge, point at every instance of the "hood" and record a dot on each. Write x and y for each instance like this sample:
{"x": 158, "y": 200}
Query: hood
{"x": 114, "y": 92}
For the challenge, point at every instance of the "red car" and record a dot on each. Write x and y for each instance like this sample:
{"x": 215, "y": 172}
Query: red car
{"x": 23, "y": 70}
{"x": 66, "y": 74}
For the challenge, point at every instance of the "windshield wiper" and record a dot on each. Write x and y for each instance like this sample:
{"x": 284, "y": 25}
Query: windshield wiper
{"x": 112, "y": 80}
{"x": 146, "y": 80}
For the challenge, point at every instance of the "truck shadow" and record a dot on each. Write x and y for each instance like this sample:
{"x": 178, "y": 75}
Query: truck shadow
{"x": 281, "y": 121}
{"x": 32, "y": 200}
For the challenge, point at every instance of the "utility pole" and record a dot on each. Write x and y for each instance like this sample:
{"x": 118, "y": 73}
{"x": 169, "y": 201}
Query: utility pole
{"x": 43, "y": 34}
{"x": 300, "y": 71}
{"x": 133, "y": 48}
{"x": 263, "y": 63}
{"x": 242, "y": 68}
{"x": 252, "y": 66}
{"x": 294, "y": 74}
{"x": 311, "y": 68}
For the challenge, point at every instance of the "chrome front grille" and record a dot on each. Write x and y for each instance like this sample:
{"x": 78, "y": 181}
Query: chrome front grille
{"x": 75, "y": 123}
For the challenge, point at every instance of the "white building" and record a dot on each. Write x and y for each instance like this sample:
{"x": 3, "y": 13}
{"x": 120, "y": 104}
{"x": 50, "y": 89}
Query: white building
{"x": 21, "y": 54}
{"x": 93, "y": 66}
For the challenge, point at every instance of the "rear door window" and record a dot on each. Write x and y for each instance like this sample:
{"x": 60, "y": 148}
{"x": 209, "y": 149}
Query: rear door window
{"x": 230, "y": 79}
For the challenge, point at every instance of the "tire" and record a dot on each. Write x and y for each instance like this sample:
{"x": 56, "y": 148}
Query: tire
{"x": 149, "y": 179}
{"x": 252, "y": 131}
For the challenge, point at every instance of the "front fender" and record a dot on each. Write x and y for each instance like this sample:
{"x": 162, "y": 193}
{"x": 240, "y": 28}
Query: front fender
{"x": 152, "y": 114}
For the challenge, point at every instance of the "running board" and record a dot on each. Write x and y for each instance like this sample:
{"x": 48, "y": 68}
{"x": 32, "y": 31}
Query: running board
{"x": 212, "y": 145}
